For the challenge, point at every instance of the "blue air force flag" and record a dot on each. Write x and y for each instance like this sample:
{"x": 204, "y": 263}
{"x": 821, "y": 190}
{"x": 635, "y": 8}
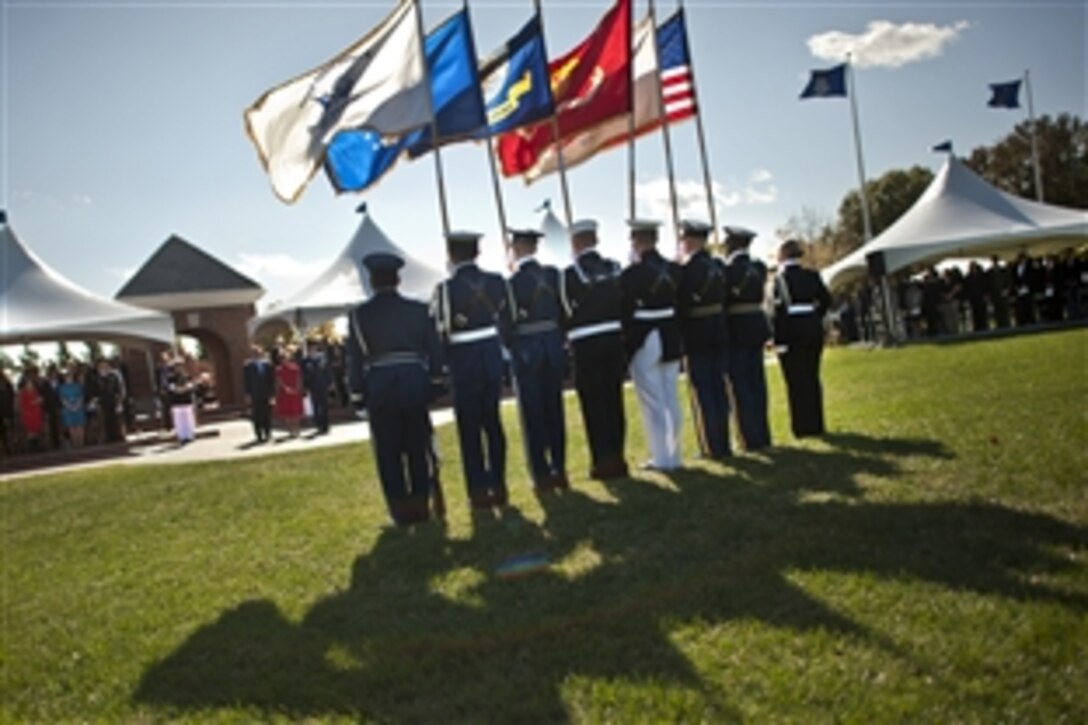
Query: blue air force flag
{"x": 1005, "y": 95}
{"x": 357, "y": 158}
{"x": 826, "y": 83}
{"x": 379, "y": 83}
{"x": 516, "y": 82}
{"x": 945, "y": 146}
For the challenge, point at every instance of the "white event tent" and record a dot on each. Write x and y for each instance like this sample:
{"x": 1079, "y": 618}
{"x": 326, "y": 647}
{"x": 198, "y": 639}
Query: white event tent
{"x": 39, "y": 305}
{"x": 346, "y": 283}
{"x": 961, "y": 215}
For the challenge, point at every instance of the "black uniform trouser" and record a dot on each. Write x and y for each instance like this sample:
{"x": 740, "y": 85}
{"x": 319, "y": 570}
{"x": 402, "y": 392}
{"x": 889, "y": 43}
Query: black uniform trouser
{"x": 1025, "y": 310}
{"x": 706, "y": 374}
{"x": 401, "y": 438}
{"x": 477, "y": 414}
{"x": 320, "y": 401}
{"x": 598, "y": 379}
{"x": 801, "y": 370}
{"x": 540, "y": 402}
{"x": 260, "y": 414}
{"x": 748, "y": 382}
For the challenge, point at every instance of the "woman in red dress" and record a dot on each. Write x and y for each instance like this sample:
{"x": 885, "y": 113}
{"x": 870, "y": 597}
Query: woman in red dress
{"x": 289, "y": 391}
{"x": 30, "y": 412}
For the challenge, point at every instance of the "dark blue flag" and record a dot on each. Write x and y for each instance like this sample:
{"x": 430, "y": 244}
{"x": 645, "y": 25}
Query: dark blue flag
{"x": 356, "y": 159}
{"x": 516, "y": 82}
{"x": 826, "y": 83}
{"x": 1005, "y": 95}
{"x": 946, "y": 146}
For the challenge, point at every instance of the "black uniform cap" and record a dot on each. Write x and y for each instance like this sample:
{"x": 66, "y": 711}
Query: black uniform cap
{"x": 382, "y": 262}
{"x": 464, "y": 242}
{"x": 525, "y": 236}
{"x": 689, "y": 228}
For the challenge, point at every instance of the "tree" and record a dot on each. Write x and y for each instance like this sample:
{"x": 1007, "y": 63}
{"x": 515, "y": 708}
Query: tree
{"x": 1063, "y": 159}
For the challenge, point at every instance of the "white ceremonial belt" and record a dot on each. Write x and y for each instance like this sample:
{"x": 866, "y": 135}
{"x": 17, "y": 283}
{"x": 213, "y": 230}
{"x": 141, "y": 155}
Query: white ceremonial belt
{"x": 397, "y": 358}
{"x": 484, "y": 333}
{"x": 648, "y": 315}
{"x": 801, "y": 309}
{"x": 599, "y": 328}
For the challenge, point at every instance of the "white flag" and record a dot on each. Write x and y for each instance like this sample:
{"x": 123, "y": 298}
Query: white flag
{"x": 379, "y": 83}
{"x": 647, "y": 88}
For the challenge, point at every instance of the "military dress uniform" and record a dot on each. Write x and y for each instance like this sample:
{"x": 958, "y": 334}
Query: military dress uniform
{"x": 394, "y": 353}
{"x": 700, "y": 305}
{"x": 801, "y": 301}
{"x": 652, "y": 337}
{"x": 590, "y": 292}
{"x": 538, "y": 360}
{"x": 470, "y": 307}
{"x": 749, "y": 331}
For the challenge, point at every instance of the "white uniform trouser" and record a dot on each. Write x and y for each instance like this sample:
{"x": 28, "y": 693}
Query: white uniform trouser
{"x": 655, "y": 382}
{"x": 184, "y": 421}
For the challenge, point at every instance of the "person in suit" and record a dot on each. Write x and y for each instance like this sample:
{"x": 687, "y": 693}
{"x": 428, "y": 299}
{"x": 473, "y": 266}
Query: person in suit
{"x": 749, "y": 331}
{"x": 592, "y": 308}
{"x": 259, "y": 379}
{"x": 997, "y": 290}
{"x": 394, "y": 354}
{"x": 1024, "y": 282}
{"x": 701, "y": 307}
{"x": 470, "y": 308}
{"x": 649, "y": 287}
{"x": 317, "y": 375}
{"x": 538, "y": 361}
{"x": 801, "y": 301}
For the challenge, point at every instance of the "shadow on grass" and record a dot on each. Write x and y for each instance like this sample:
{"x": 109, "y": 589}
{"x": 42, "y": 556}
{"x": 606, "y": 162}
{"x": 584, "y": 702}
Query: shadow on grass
{"x": 427, "y": 631}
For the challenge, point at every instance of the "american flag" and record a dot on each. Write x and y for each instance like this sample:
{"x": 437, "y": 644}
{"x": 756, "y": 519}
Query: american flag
{"x": 677, "y": 82}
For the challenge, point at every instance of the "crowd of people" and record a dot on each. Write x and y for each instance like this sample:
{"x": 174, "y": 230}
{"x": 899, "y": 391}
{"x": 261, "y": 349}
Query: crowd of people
{"x": 52, "y": 407}
{"x": 644, "y": 321}
{"x": 1028, "y": 291}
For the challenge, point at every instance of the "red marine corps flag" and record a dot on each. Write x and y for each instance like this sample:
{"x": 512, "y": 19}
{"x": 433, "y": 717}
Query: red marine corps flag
{"x": 590, "y": 84}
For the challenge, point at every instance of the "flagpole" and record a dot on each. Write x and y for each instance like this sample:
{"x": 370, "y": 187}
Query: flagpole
{"x": 568, "y": 213}
{"x": 1034, "y": 139}
{"x": 665, "y": 131}
{"x": 631, "y": 159}
{"x": 701, "y": 136}
{"x": 495, "y": 185}
{"x": 853, "y": 93}
{"x": 439, "y": 176}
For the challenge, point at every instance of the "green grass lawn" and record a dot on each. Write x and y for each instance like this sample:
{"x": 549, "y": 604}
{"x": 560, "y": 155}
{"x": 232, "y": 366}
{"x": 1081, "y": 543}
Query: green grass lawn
{"x": 926, "y": 561}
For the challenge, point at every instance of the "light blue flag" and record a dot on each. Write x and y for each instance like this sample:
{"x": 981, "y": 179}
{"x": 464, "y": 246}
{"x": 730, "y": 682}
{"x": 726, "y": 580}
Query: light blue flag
{"x": 356, "y": 159}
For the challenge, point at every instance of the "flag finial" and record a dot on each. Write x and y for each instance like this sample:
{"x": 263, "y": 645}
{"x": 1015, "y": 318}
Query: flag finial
{"x": 361, "y": 209}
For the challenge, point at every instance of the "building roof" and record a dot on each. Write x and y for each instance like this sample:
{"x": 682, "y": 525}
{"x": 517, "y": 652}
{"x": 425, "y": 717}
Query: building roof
{"x": 179, "y": 267}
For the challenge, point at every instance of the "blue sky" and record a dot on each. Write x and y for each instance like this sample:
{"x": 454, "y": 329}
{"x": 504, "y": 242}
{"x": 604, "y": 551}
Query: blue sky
{"x": 122, "y": 121}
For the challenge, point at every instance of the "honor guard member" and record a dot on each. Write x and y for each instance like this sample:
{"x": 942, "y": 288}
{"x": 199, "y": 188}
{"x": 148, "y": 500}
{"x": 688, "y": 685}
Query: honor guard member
{"x": 701, "y": 308}
{"x": 652, "y": 335}
{"x": 590, "y": 292}
{"x": 394, "y": 353}
{"x": 470, "y": 307}
{"x": 749, "y": 331}
{"x": 800, "y": 302}
{"x": 538, "y": 359}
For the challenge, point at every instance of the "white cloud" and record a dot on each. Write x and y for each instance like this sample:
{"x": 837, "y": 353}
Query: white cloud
{"x": 82, "y": 200}
{"x": 885, "y": 44}
{"x": 280, "y": 267}
{"x": 653, "y": 195}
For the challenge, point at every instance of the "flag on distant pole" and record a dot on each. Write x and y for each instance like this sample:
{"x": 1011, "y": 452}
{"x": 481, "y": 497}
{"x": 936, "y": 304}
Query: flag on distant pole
{"x": 829, "y": 83}
{"x": 1005, "y": 95}
{"x": 357, "y": 158}
{"x": 378, "y": 83}
{"x": 590, "y": 84}
{"x": 945, "y": 146}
